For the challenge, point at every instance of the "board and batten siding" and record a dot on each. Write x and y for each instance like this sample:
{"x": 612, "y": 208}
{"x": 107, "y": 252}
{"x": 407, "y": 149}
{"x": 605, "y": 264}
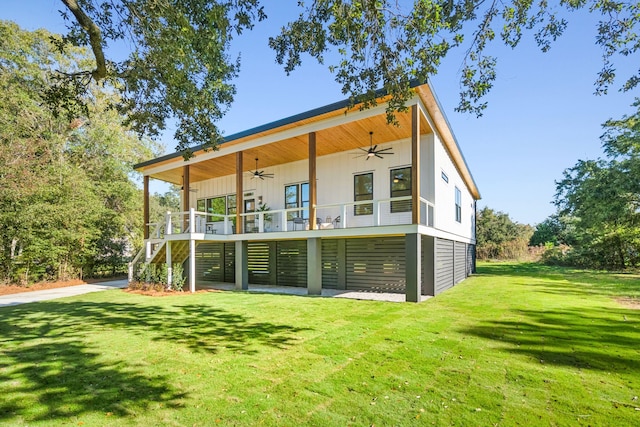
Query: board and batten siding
{"x": 445, "y": 207}
{"x": 335, "y": 180}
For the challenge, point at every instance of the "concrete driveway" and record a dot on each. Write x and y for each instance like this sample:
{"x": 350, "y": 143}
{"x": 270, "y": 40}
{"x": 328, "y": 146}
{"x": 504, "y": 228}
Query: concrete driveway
{"x": 49, "y": 294}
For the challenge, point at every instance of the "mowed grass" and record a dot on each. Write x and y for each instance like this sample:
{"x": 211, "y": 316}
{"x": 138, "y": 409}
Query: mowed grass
{"x": 517, "y": 344}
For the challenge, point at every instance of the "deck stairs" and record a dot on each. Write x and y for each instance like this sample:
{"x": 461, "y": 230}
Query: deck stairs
{"x": 140, "y": 264}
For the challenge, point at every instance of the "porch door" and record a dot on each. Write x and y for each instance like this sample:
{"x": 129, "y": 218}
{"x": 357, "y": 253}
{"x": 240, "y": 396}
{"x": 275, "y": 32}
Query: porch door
{"x": 250, "y": 225}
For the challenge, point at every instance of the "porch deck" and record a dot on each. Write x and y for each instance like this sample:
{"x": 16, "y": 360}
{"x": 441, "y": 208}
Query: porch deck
{"x": 303, "y": 292}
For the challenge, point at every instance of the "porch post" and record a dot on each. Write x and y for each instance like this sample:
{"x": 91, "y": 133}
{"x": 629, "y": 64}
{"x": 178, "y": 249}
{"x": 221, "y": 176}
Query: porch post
{"x": 169, "y": 262}
{"x": 192, "y": 265}
{"x": 242, "y": 266}
{"x": 429, "y": 250}
{"x": 314, "y": 266}
{"x": 413, "y": 268}
{"x": 342, "y": 263}
{"x": 145, "y": 206}
{"x": 186, "y": 182}
{"x": 313, "y": 189}
{"x": 415, "y": 164}
{"x": 239, "y": 195}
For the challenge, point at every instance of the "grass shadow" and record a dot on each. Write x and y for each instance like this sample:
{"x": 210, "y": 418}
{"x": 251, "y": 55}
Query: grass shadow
{"x": 565, "y": 280}
{"x": 586, "y": 335}
{"x": 579, "y": 338}
{"x": 49, "y": 355}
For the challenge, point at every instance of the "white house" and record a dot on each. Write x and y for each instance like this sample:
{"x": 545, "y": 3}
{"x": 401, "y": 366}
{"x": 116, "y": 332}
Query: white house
{"x": 330, "y": 198}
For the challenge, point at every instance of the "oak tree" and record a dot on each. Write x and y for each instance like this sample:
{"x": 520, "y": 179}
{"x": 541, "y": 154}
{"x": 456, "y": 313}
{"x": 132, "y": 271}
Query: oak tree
{"x": 179, "y": 64}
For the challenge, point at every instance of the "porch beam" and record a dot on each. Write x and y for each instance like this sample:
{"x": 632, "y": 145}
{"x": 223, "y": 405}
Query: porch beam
{"x": 186, "y": 183}
{"x": 415, "y": 164}
{"x": 145, "y": 206}
{"x": 239, "y": 193}
{"x": 313, "y": 187}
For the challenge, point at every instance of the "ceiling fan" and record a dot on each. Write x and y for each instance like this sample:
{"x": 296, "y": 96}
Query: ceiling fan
{"x": 373, "y": 150}
{"x": 259, "y": 174}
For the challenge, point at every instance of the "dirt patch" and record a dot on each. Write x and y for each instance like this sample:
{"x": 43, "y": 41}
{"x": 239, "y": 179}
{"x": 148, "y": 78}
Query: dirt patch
{"x": 632, "y": 303}
{"x": 40, "y": 286}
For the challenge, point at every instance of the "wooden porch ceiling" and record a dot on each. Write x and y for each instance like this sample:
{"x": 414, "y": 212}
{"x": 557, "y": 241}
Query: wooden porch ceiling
{"x": 344, "y": 137}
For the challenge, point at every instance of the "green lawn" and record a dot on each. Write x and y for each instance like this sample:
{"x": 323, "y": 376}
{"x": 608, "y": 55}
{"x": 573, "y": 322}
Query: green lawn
{"x": 518, "y": 344}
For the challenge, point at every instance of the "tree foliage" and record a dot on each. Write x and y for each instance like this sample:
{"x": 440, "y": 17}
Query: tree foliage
{"x": 180, "y": 66}
{"x": 68, "y": 202}
{"x": 498, "y": 237}
{"x": 554, "y": 230}
{"x": 604, "y": 198}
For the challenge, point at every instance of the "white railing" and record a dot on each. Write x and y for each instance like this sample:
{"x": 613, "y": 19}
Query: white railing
{"x": 365, "y": 213}
{"x": 427, "y": 212}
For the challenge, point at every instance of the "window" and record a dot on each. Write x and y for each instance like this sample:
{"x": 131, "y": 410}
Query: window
{"x": 458, "y": 205}
{"x": 231, "y": 204}
{"x": 221, "y": 205}
{"x": 401, "y": 186}
{"x": 444, "y": 176}
{"x": 216, "y": 205}
{"x": 296, "y": 196}
{"x": 363, "y": 190}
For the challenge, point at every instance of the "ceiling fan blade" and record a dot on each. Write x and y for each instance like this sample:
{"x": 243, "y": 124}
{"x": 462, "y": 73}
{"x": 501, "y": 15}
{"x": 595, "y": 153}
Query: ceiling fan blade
{"x": 366, "y": 150}
{"x": 374, "y": 148}
{"x": 385, "y": 149}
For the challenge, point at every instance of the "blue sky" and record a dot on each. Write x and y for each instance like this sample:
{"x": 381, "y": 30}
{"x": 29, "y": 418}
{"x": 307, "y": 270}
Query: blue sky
{"x": 541, "y": 118}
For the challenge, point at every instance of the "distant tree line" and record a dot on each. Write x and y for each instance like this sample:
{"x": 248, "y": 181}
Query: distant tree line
{"x": 498, "y": 237}
{"x": 597, "y": 223}
{"x": 69, "y": 203}
{"x": 598, "y": 220}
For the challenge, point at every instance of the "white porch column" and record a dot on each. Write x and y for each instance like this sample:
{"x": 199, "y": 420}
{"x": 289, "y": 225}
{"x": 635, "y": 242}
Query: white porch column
{"x": 169, "y": 262}
{"x": 376, "y": 213}
{"x": 314, "y": 266}
{"x": 167, "y": 227}
{"x": 192, "y": 265}
{"x": 192, "y": 221}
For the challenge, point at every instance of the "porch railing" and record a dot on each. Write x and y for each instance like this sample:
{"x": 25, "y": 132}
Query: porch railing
{"x": 365, "y": 213}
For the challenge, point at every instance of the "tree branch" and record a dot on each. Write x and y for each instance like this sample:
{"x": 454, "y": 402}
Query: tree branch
{"x": 95, "y": 38}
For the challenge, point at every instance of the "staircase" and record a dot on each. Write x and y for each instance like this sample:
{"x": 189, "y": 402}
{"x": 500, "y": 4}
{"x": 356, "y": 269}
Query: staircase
{"x": 158, "y": 249}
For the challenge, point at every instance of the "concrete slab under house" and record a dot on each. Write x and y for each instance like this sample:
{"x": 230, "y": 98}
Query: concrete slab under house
{"x": 330, "y": 199}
